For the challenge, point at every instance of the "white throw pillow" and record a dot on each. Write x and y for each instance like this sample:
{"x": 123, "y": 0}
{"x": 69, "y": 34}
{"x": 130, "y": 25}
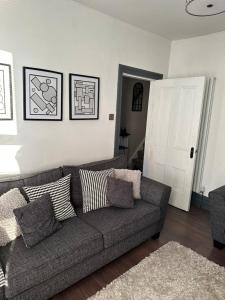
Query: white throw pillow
{"x": 9, "y": 230}
{"x": 130, "y": 176}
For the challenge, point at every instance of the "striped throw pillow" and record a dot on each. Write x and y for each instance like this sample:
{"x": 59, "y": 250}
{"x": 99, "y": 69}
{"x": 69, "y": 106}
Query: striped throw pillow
{"x": 94, "y": 185}
{"x": 60, "y": 196}
{"x": 2, "y": 278}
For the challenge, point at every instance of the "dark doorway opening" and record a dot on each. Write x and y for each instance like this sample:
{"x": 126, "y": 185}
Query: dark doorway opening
{"x": 131, "y": 118}
{"x": 135, "y": 95}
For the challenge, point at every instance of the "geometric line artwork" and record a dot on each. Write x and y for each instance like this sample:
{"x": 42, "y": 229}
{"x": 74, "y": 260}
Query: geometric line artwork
{"x": 2, "y": 93}
{"x": 6, "y": 109}
{"x": 84, "y": 97}
{"x": 42, "y": 94}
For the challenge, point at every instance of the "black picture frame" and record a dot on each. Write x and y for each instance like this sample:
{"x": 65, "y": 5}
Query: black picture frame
{"x": 138, "y": 93}
{"x": 9, "y": 105}
{"x": 95, "y": 79}
{"x": 37, "y": 72}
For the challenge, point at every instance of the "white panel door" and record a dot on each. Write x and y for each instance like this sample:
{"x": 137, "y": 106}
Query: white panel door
{"x": 173, "y": 123}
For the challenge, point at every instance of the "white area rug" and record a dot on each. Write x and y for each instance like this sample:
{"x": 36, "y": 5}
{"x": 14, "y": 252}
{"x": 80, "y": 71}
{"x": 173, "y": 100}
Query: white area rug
{"x": 171, "y": 272}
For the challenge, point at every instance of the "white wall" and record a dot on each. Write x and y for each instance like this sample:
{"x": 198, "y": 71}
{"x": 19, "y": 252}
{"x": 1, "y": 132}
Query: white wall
{"x": 206, "y": 56}
{"x": 65, "y": 36}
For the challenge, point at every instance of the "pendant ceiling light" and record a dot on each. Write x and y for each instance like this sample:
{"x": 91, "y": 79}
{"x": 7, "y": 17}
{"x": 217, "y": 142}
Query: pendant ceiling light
{"x": 205, "y": 8}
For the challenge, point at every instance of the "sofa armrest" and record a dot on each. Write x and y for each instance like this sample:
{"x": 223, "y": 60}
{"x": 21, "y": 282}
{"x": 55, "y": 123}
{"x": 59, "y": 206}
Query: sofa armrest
{"x": 217, "y": 214}
{"x": 156, "y": 193}
{"x": 2, "y": 284}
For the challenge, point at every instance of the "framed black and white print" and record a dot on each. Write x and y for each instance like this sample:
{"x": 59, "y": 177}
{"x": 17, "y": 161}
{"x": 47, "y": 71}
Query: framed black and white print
{"x": 6, "y": 106}
{"x": 84, "y": 97}
{"x": 43, "y": 94}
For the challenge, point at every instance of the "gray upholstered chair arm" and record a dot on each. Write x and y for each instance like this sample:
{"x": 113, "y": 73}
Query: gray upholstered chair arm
{"x": 156, "y": 193}
{"x": 220, "y": 191}
{"x": 217, "y": 214}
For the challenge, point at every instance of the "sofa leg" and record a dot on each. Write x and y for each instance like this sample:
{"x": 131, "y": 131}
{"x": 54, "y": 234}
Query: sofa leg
{"x": 156, "y": 236}
{"x": 218, "y": 245}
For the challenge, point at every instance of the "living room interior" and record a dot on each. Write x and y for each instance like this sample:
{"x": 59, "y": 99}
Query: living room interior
{"x": 112, "y": 149}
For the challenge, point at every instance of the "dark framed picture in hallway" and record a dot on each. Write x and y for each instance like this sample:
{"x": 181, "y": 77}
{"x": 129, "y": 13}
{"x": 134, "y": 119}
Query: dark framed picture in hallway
{"x": 84, "y": 97}
{"x": 6, "y": 105}
{"x": 43, "y": 94}
{"x": 138, "y": 91}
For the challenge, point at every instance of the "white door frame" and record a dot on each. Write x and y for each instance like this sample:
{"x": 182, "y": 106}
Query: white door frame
{"x": 198, "y": 185}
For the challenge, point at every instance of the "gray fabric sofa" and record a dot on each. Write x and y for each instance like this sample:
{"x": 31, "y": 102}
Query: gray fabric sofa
{"x": 85, "y": 243}
{"x": 217, "y": 216}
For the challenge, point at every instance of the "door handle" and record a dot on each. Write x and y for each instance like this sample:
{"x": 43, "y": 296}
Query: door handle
{"x": 192, "y": 152}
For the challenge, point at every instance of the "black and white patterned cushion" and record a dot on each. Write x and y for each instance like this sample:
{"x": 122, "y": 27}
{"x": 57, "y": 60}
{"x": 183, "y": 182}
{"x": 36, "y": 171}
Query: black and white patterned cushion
{"x": 94, "y": 188}
{"x": 60, "y": 196}
{"x": 2, "y": 278}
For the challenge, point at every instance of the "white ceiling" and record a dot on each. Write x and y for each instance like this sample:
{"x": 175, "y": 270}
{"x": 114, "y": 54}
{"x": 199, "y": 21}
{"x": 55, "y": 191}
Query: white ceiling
{"x": 164, "y": 17}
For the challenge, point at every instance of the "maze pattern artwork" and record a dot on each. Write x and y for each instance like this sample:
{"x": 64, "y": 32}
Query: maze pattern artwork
{"x": 84, "y": 97}
{"x": 2, "y": 93}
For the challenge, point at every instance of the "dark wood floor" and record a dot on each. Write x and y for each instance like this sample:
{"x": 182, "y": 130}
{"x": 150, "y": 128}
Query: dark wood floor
{"x": 189, "y": 229}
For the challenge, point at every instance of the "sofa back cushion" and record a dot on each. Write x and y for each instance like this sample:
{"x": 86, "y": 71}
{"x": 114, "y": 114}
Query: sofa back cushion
{"x": 119, "y": 162}
{"x": 43, "y": 177}
{"x": 6, "y": 185}
{"x": 23, "y": 180}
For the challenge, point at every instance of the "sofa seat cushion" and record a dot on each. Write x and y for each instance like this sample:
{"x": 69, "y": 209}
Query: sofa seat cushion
{"x": 117, "y": 224}
{"x": 24, "y": 267}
